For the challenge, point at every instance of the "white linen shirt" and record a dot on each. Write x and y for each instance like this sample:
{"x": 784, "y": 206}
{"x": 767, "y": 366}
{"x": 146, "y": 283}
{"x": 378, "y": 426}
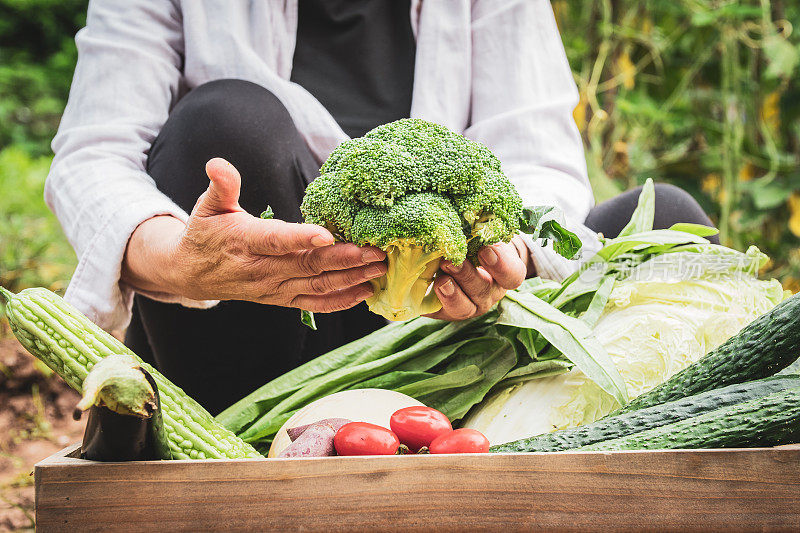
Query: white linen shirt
{"x": 494, "y": 70}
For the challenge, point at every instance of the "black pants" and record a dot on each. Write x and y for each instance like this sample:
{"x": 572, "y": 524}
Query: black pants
{"x": 221, "y": 354}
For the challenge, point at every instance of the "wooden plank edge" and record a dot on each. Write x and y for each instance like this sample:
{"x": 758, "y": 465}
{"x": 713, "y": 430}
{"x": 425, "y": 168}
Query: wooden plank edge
{"x": 69, "y": 456}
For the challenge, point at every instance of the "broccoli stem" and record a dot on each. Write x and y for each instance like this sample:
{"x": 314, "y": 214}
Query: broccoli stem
{"x": 405, "y": 291}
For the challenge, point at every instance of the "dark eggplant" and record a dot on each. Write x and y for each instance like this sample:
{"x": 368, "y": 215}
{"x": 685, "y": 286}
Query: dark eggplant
{"x": 125, "y": 422}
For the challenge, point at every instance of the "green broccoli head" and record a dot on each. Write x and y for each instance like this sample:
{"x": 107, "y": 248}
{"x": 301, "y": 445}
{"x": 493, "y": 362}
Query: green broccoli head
{"x": 423, "y": 194}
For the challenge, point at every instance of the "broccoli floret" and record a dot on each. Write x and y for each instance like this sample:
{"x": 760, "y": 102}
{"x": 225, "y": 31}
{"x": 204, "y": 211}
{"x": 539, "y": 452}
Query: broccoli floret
{"x": 377, "y": 173}
{"x": 423, "y": 194}
{"x": 490, "y": 215}
{"x": 445, "y": 161}
{"x": 326, "y": 205}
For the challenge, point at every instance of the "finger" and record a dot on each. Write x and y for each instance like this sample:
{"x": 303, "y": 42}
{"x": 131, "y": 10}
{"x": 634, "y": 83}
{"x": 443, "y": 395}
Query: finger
{"x": 276, "y": 237}
{"x": 455, "y": 304}
{"x": 503, "y": 263}
{"x": 336, "y": 280}
{"x": 222, "y": 195}
{"x": 476, "y": 283}
{"x": 335, "y": 301}
{"x": 340, "y": 256}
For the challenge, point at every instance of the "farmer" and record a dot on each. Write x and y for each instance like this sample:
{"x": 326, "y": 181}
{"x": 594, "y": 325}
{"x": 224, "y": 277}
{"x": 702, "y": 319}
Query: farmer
{"x": 163, "y": 89}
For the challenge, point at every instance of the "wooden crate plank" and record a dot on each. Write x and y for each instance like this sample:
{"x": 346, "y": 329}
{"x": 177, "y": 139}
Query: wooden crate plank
{"x": 686, "y": 489}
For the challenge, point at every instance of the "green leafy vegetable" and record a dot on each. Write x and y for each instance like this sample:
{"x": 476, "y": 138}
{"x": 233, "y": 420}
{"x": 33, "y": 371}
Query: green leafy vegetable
{"x": 694, "y": 229}
{"x": 642, "y": 218}
{"x": 307, "y": 318}
{"x": 451, "y": 380}
{"x": 655, "y": 300}
{"x": 268, "y": 213}
{"x": 570, "y": 336}
{"x": 494, "y": 367}
{"x": 547, "y": 223}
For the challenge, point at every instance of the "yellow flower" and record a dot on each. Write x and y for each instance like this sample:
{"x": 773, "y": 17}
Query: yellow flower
{"x": 647, "y": 26}
{"x": 794, "y": 209}
{"x": 579, "y": 113}
{"x": 747, "y": 172}
{"x": 770, "y": 110}
{"x": 626, "y": 70}
{"x": 711, "y": 184}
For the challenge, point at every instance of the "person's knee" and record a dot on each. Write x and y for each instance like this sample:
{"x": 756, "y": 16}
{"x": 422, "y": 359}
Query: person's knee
{"x": 674, "y": 205}
{"x": 248, "y": 126}
{"x": 672, "y": 194}
{"x": 233, "y": 112}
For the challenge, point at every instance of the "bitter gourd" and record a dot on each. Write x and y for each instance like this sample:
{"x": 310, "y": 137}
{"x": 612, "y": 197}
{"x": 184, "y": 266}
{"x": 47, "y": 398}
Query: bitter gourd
{"x": 70, "y": 344}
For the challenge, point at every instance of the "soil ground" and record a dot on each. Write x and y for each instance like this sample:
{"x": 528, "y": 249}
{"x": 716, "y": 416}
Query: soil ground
{"x": 36, "y": 421}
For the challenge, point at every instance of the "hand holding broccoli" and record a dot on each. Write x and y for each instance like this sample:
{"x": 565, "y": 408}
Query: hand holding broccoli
{"x": 468, "y": 291}
{"x": 224, "y": 253}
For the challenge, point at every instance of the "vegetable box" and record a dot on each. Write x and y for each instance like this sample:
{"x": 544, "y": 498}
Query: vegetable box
{"x": 697, "y": 490}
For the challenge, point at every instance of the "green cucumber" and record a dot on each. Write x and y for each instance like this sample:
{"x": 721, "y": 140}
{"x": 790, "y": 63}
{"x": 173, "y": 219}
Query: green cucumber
{"x": 612, "y": 427}
{"x": 764, "y": 347}
{"x": 768, "y": 421}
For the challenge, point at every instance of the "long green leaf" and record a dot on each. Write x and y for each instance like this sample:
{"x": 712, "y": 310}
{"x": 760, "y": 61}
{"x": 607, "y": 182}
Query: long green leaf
{"x": 451, "y": 380}
{"x": 495, "y": 365}
{"x": 436, "y": 356}
{"x": 640, "y": 241}
{"x": 538, "y": 370}
{"x": 599, "y": 301}
{"x": 695, "y": 229}
{"x": 538, "y": 367}
{"x": 541, "y": 287}
{"x": 530, "y": 341}
{"x": 642, "y": 217}
{"x": 569, "y": 335}
{"x": 587, "y": 282}
{"x": 393, "y": 380}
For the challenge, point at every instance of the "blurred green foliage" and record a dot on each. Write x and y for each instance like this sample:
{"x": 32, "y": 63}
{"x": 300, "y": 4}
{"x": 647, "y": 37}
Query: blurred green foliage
{"x": 700, "y": 93}
{"x": 37, "y": 56}
{"x": 33, "y": 250}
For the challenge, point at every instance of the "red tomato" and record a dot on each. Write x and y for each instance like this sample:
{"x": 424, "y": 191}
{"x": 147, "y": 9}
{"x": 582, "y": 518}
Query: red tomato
{"x": 462, "y": 440}
{"x": 417, "y": 426}
{"x": 362, "y": 438}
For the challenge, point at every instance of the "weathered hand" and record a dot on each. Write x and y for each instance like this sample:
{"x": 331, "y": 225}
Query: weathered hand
{"x": 467, "y": 291}
{"x": 224, "y": 253}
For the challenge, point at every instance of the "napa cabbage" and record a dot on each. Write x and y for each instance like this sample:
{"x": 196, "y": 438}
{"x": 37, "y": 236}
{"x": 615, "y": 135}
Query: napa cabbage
{"x": 661, "y": 315}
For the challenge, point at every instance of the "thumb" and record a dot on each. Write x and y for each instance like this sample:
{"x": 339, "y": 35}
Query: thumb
{"x": 222, "y": 195}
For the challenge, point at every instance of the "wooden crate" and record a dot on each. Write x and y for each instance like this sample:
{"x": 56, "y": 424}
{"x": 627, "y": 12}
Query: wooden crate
{"x": 698, "y": 490}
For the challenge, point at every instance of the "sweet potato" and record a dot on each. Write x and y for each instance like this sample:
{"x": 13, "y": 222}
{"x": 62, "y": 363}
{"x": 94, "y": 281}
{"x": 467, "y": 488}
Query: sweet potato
{"x": 314, "y": 440}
